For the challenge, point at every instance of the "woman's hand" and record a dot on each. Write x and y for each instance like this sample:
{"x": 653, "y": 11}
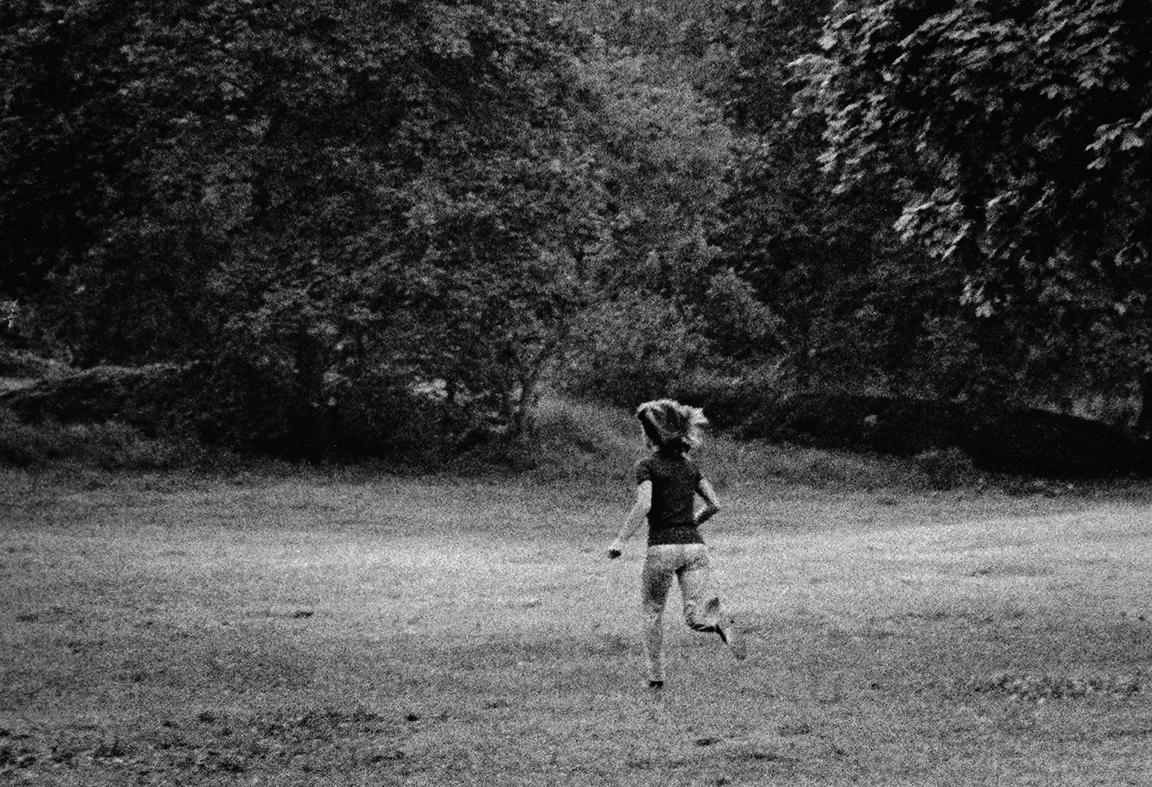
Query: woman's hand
{"x": 711, "y": 503}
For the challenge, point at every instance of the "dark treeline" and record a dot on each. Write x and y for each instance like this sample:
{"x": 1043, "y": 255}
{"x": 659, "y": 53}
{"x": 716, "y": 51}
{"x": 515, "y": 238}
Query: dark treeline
{"x": 369, "y": 226}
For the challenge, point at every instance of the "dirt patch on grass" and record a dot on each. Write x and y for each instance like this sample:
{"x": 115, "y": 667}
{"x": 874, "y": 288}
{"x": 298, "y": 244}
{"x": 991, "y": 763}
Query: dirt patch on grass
{"x": 1059, "y": 686}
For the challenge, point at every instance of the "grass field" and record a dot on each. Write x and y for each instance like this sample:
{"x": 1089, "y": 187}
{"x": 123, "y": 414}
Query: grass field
{"x": 364, "y": 628}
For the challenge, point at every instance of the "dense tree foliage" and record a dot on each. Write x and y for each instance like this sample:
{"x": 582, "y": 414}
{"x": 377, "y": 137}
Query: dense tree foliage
{"x": 661, "y": 151}
{"x": 378, "y": 222}
{"x": 332, "y": 201}
{"x": 1013, "y": 135}
{"x": 806, "y": 251}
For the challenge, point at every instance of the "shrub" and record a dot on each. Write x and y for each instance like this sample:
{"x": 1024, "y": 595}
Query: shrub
{"x": 632, "y": 349}
{"x": 1052, "y": 445}
{"x": 1030, "y": 442}
{"x": 151, "y": 398}
{"x": 270, "y": 409}
{"x": 20, "y": 363}
{"x": 947, "y": 468}
{"x": 110, "y": 445}
{"x": 737, "y": 323}
{"x": 731, "y": 401}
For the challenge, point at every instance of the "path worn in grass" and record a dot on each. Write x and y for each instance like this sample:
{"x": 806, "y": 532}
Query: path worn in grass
{"x": 381, "y": 630}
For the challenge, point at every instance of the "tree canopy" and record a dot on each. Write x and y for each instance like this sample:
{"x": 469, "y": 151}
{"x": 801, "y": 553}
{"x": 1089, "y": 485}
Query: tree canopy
{"x": 1013, "y": 137}
{"x": 325, "y": 198}
{"x": 376, "y": 221}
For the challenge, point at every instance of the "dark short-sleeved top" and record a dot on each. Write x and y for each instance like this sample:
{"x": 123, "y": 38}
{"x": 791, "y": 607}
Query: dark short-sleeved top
{"x": 675, "y": 478}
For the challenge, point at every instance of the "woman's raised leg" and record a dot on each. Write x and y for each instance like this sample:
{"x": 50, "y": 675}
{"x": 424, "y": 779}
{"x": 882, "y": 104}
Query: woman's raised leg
{"x": 702, "y": 610}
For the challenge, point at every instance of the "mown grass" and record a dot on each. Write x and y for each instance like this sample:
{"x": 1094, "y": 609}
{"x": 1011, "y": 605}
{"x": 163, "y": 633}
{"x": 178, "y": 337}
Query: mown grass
{"x": 355, "y": 627}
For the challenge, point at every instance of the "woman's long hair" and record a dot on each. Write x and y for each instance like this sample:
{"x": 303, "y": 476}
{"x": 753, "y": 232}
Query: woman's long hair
{"x": 672, "y": 426}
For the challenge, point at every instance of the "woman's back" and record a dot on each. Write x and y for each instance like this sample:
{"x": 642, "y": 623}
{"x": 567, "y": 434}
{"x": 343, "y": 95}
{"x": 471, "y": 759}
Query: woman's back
{"x": 674, "y": 479}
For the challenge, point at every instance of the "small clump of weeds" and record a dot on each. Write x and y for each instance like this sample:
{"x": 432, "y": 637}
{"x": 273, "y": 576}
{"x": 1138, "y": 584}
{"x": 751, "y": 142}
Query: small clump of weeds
{"x": 109, "y": 750}
{"x": 1042, "y": 687}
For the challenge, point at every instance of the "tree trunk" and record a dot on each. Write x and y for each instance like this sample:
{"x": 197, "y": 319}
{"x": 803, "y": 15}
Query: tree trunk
{"x": 523, "y": 420}
{"x": 1144, "y": 421}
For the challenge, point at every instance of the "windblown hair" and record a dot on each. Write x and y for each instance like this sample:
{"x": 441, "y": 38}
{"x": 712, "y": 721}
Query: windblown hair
{"x": 672, "y": 426}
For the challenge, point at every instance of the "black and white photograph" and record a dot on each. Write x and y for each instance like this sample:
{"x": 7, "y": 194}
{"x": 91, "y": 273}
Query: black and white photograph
{"x": 670, "y": 393}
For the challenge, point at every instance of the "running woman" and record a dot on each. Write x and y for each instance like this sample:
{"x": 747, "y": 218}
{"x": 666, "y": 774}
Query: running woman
{"x": 667, "y": 484}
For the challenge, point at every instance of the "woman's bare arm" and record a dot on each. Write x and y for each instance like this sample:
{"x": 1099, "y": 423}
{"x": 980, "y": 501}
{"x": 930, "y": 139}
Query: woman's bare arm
{"x": 711, "y": 502}
{"x": 633, "y": 519}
